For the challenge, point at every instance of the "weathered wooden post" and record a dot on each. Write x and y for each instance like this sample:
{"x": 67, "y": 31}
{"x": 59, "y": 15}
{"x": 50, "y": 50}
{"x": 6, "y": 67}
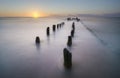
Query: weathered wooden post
{"x": 60, "y": 25}
{"x": 67, "y": 58}
{"x": 48, "y": 31}
{"x": 73, "y": 26}
{"x": 57, "y": 26}
{"x": 37, "y": 40}
{"x": 72, "y": 33}
{"x": 69, "y": 43}
{"x": 54, "y": 27}
{"x": 68, "y": 19}
{"x": 63, "y": 23}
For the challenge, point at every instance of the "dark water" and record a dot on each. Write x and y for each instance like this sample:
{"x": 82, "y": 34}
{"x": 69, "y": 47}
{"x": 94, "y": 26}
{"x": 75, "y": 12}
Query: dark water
{"x": 95, "y": 49}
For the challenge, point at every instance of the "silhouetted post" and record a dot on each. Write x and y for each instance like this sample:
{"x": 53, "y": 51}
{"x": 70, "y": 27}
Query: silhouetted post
{"x": 72, "y": 33}
{"x": 69, "y": 19}
{"x": 37, "y": 40}
{"x": 48, "y": 31}
{"x": 67, "y": 58}
{"x": 73, "y": 26}
{"x": 60, "y": 25}
{"x": 57, "y": 26}
{"x": 69, "y": 43}
{"x": 63, "y": 23}
{"x": 77, "y": 19}
{"x": 54, "y": 27}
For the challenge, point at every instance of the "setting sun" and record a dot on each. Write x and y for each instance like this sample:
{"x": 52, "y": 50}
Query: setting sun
{"x": 36, "y": 15}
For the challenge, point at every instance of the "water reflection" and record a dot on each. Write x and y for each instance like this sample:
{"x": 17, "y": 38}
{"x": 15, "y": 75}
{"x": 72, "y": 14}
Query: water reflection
{"x": 48, "y": 39}
{"x": 67, "y": 72}
{"x": 38, "y": 46}
{"x": 54, "y": 33}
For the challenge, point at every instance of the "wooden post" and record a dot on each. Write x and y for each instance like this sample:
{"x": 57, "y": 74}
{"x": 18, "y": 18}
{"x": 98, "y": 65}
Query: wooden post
{"x": 72, "y": 33}
{"x": 69, "y": 43}
{"x": 67, "y": 58}
{"x": 48, "y": 31}
{"x": 54, "y": 27}
{"x": 37, "y": 40}
{"x": 57, "y": 26}
{"x": 73, "y": 26}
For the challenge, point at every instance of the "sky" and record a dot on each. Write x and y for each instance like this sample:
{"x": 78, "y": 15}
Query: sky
{"x": 29, "y": 8}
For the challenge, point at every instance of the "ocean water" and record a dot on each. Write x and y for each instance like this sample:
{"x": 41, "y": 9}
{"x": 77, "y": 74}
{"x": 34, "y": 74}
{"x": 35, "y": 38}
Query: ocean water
{"x": 95, "y": 50}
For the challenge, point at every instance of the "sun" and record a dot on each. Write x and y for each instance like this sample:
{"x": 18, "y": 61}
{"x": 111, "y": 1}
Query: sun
{"x": 35, "y": 15}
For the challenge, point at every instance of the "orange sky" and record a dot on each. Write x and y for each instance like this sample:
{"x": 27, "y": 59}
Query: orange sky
{"x": 23, "y": 14}
{"x": 27, "y": 8}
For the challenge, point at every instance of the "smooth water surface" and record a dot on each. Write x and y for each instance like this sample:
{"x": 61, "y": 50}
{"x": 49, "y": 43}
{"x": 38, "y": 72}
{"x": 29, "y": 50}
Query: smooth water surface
{"x": 95, "y": 49}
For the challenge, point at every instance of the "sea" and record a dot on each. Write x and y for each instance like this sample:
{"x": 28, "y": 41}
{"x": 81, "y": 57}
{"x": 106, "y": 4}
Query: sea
{"x": 95, "y": 48}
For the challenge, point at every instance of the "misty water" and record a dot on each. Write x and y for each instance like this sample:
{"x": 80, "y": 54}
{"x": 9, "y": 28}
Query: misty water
{"x": 95, "y": 50}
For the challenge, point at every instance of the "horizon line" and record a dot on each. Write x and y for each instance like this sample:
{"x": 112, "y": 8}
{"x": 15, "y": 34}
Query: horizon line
{"x": 95, "y": 15}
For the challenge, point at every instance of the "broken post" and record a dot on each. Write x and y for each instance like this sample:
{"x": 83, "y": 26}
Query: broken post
{"x": 48, "y": 31}
{"x": 60, "y": 25}
{"x": 72, "y": 33}
{"x": 67, "y": 58}
{"x": 54, "y": 27}
{"x": 63, "y": 23}
{"x": 73, "y": 26}
{"x": 69, "y": 19}
{"x": 37, "y": 40}
{"x": 57, "y": 26}
{"x": 69, "y": 43}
